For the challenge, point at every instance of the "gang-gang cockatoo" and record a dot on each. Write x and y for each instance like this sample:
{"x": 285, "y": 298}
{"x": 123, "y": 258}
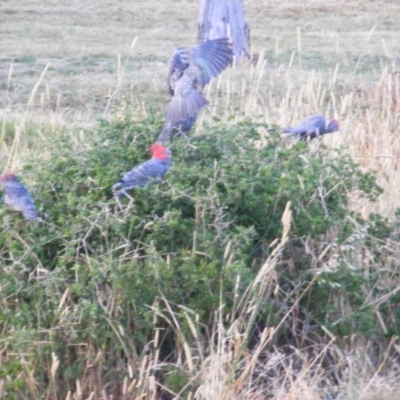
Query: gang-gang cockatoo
{"x": 151, "y": 170}
{"x": 190, "y": 70}
{"x": 312, "y": 127}
{"x": 17, "y": 197}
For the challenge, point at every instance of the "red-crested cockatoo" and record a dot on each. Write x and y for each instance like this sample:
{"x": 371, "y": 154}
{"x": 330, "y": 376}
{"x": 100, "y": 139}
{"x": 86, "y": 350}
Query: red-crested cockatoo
{"x": 149, "y": 171}
{"x": 312, "y": 127}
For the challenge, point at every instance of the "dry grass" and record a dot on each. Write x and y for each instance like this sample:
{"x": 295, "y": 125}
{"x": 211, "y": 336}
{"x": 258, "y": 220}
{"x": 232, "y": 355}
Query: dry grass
{"x": 338, "y": 59}
{"x": 83, "y": 42}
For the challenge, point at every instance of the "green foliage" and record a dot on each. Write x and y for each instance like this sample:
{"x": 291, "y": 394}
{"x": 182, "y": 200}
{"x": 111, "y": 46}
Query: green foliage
{"x": 89, "y": 273}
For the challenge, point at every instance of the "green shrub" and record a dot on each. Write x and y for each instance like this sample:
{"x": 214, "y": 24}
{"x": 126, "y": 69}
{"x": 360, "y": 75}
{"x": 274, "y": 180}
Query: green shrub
{"x": 94, "y": 267}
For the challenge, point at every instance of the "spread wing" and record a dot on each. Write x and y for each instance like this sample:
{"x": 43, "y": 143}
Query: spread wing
{"x": 211, "y": 58}
{"x": 179, "y": 61}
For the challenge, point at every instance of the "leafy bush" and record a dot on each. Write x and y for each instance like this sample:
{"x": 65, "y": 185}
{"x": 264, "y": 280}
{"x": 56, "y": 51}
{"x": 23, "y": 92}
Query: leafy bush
{"x": 90, "y": 272}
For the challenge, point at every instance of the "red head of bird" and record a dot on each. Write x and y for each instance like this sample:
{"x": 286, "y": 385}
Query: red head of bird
{"x": 159, "y": 152}
{"x": 332, "y": 125}
{"x": 7, "y": 176}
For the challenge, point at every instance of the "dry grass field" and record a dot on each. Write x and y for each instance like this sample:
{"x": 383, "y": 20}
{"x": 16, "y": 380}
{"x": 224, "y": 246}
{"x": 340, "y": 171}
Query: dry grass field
{"x": 66, "y": 65}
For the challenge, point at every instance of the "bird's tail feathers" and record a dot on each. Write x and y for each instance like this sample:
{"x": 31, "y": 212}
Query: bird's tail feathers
{"x": 289, "y": 131}
{"x": 31, "y": 214}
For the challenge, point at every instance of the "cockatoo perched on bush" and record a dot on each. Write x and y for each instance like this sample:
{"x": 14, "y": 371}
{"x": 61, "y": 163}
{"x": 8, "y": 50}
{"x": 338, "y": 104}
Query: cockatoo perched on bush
{"x": 17, "y": 197}
{"x": 191, "y": 69}
{"x": 151, "y": 170}
{"x": 312, "y": 127}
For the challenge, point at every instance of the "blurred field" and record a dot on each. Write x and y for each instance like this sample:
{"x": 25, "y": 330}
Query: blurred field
{"x": 82, "y": 44}
{"x": 339, "y": 58}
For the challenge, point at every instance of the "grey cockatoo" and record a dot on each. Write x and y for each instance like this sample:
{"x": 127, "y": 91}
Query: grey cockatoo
{"x": 190, "y": 70}
{"x": 151, "y": 170}
{"x": 312, "y": 127}
{"x": 17, "y": 197}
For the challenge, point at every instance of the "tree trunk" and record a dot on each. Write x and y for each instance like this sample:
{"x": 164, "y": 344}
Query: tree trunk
{"x": 224, "y": 18}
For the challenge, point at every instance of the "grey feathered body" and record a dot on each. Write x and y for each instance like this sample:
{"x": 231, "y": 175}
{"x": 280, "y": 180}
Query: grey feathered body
{"x": 312, "y": 127}
{"x": 149, "y": 171}
{"x": 184, "y": 107}
{"x": 17, "y": 197}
